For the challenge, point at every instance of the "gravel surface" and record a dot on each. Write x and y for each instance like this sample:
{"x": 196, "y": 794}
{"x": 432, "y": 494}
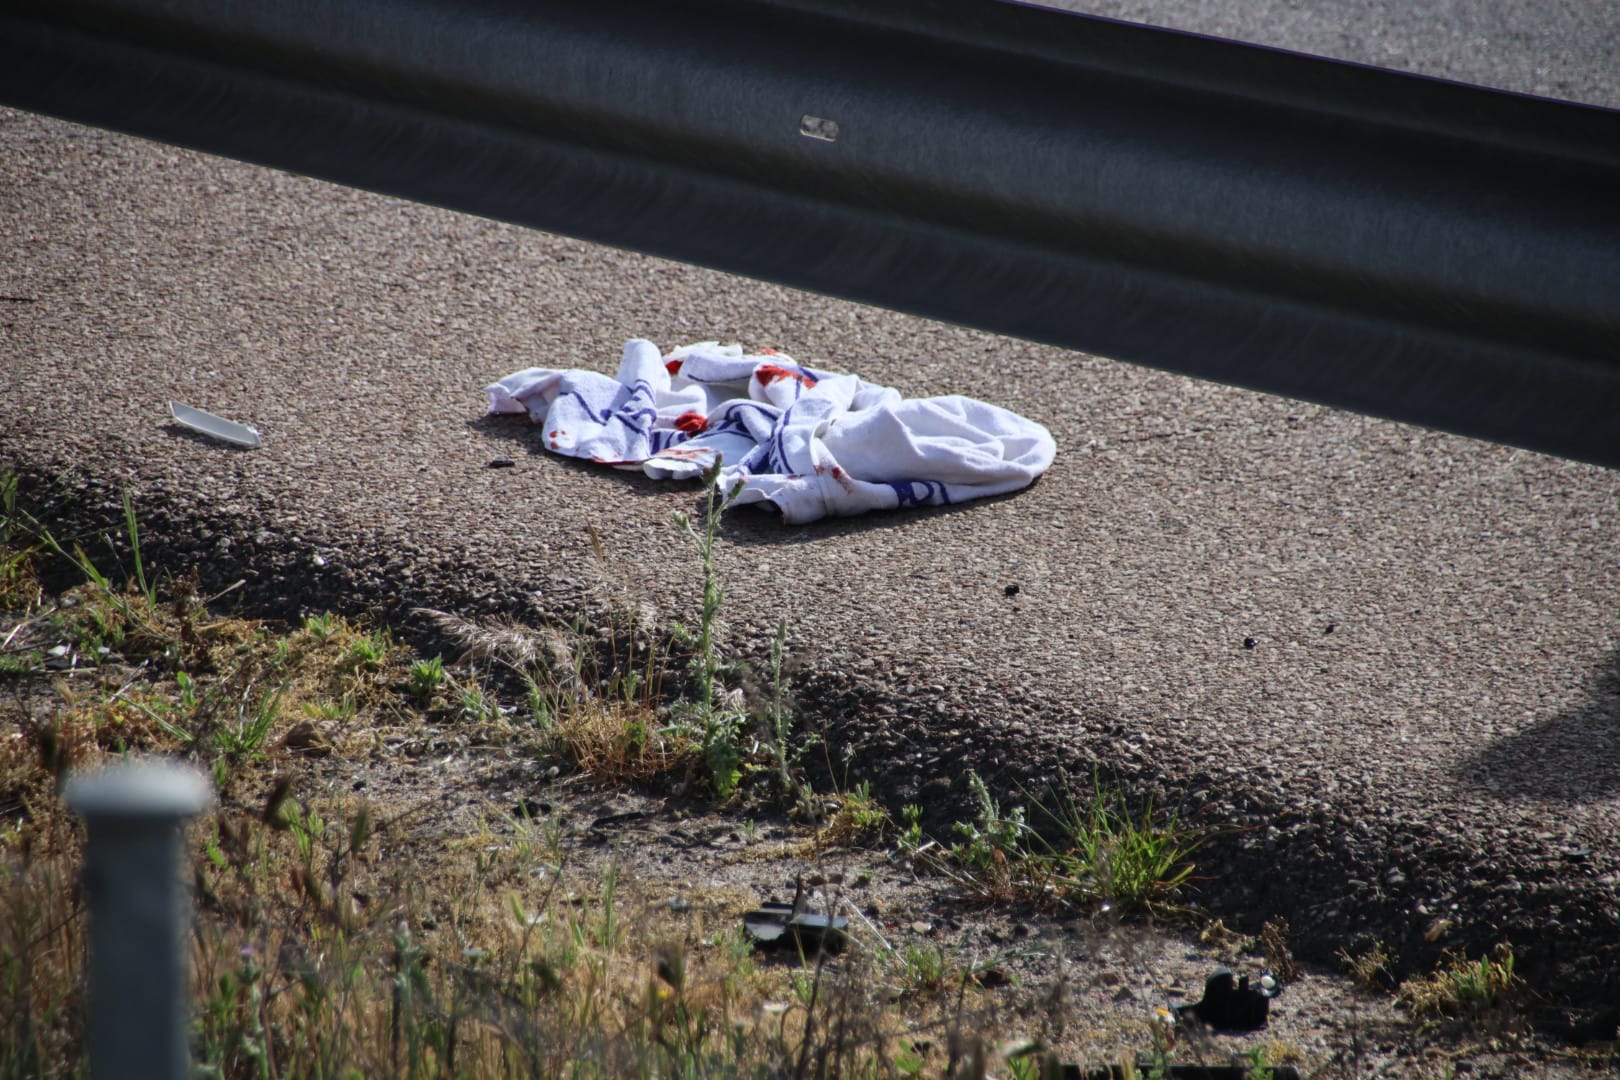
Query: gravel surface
{"x": 1384, "y": 660}
{"x": 1569, "y": 50}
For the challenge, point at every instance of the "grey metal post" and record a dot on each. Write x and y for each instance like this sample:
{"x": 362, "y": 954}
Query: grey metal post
{"x": 138, "y": 915}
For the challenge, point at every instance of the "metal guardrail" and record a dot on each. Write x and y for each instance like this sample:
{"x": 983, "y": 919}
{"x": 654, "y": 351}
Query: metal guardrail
{"x": 1397, "y": 245}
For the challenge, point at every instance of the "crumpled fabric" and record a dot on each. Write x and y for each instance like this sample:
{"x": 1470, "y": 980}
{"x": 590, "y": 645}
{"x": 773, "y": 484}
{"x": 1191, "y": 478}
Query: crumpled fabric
{"x": 810, "y": 443}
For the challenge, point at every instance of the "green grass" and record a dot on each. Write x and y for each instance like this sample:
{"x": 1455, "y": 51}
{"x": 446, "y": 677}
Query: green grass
{"x": 322, "y": 627}
{"x": 253, "y": 722}
{"x": 924, "y": 968}
{"x": 368, "y": 651}
{"x": 475, "y": 704}
{"x": 339, "y": 711}
{"x": 427, "y": 677}
{"x": 717, "y": 717}
{"x": 18, "y": 551}
{"x": 1130, "y": 860}
{"x": 1091, "y": 850}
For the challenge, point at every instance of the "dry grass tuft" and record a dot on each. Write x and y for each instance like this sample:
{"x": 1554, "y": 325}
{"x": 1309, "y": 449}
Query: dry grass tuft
{"x": 856, "y": 819}
{"x": 1274, "y": 944}
{"x": 500, "y": 640}
{"x": 1371, "y": 969}
{"x": 622, "y": 741}
{"x": 1464, "y": 988}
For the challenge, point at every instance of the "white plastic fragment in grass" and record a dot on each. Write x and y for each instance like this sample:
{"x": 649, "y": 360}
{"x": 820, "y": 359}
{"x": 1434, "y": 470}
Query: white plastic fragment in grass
{"x": 215, "y": 426}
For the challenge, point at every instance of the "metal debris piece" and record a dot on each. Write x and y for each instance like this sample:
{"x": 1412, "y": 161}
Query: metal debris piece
{"x": 775, "y": 926}
{"x": 215, "y": 426}
{"x": 1231, "y": 1004}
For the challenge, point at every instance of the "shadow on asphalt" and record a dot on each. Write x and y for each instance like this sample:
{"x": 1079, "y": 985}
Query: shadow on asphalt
{"x": 753, "y": 526}
{"x": 524, "y": 435}
{"x": 1571, "y": 757}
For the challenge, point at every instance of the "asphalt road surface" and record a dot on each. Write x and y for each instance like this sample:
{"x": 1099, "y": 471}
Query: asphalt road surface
{"x": 1388, "y": 658}
{"x": 1567, "y": 50}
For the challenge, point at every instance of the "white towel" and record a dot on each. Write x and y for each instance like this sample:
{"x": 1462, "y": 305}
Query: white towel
{"x": 809, "y": 442}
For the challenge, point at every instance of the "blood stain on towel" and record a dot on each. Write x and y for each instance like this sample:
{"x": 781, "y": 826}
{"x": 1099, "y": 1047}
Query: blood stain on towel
{"x": 838, "y": 474}
{"x": 769, "y": 373}
{"x": 672, "y": 366}
{"x": 692, "y": 423}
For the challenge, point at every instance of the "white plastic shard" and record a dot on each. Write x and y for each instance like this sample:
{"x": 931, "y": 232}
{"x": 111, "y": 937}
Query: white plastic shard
{"x": 216, "y": 426}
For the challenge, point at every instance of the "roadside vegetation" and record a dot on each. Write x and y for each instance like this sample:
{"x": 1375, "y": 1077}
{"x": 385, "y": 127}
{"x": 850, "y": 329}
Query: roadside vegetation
{"x": 1481, "y": 989}
{"x": 1089, "y": 850}
{"x": 336, "y": 938}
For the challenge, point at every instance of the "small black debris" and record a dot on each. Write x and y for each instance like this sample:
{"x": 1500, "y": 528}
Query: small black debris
{"x": 1231, "y": 1004}
{"x": 608, "y": 821}
{"x": 1011, "y": 590}
{"x": 530, "y": 809}
{"x": 501, "y": 463}
{"x": 1249, "y": 643}
{"x": 1332, "y": 626}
